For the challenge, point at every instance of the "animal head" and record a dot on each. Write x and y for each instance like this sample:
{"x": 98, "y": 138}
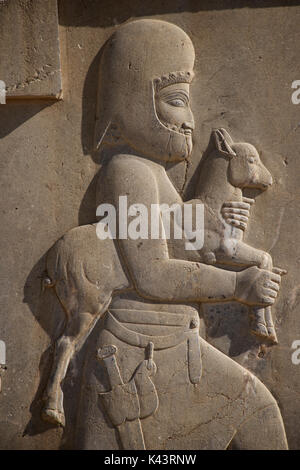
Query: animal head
{"x": 245, "y": 169}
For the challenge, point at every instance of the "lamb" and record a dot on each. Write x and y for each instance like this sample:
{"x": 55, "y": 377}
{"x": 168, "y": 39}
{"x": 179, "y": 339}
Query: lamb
{"x": 225, "y": 171}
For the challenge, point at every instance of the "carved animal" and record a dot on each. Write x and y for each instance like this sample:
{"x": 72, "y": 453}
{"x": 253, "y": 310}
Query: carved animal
{"x": 225, "y": 172}
{"x": 85, "y": 272}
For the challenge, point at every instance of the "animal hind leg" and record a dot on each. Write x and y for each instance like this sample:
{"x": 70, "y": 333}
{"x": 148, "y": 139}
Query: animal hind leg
{"x": 77, "y": 330}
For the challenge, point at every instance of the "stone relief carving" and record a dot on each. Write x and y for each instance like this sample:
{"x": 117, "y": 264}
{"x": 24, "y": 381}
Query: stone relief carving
{"x": 167, "y": 387}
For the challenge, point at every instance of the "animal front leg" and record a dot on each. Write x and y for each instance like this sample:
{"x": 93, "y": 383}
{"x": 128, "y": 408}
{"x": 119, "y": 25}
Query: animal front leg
{"x": 239, "y": 252}
{"x": 76, "y": 332}
{"x": 258, "y": 322}
{"x": 261, "y": 324}
{"x": 270, "y": 325}
{"x": 261, "y": 318}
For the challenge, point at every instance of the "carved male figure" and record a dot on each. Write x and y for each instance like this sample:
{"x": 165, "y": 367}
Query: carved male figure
{"x": 162, "y": 386}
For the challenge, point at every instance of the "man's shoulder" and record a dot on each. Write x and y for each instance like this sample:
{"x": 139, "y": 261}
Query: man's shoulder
{"x": 127, "y": 164}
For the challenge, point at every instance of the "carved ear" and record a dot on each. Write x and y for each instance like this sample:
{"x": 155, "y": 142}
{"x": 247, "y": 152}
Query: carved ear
{"x": 223, "y": 142}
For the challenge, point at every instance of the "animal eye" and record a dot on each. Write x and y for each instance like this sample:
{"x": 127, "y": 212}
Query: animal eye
{"x": 178, "y": 102}
{"x": 250, "y": 160}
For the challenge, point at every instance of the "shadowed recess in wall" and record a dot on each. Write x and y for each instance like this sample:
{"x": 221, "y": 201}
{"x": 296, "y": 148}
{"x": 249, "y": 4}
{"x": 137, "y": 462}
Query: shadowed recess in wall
{"x": 14, "y": 114}
{"x": 108, "y": 13}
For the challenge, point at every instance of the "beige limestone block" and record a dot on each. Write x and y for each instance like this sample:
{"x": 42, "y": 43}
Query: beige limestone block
{"x": 29, "y": 53}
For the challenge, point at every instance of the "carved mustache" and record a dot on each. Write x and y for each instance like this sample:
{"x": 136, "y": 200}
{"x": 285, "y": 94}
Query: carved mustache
{"x": 181, "y": 130}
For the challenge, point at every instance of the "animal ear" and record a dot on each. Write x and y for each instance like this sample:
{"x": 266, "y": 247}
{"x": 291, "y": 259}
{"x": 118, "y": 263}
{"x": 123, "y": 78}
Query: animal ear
{"x": 223, "y": 142}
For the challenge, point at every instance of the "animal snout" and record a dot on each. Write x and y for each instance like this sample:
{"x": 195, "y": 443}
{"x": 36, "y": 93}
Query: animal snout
{"x": 260, "y": 177}
{"x": 266, "y": 179}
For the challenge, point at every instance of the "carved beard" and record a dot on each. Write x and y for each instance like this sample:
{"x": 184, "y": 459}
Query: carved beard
{"x": 180, "y": 143}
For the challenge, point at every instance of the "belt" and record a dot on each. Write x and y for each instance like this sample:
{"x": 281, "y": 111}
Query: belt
{"x": 152, "y": 317}
{"x": 190, "y": 336}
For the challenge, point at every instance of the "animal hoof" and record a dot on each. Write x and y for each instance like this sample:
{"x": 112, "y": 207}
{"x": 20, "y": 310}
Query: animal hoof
{"x": 272, "y": 336}
{"x": 263, "y": 333}
{"x": 260, "y": 330}
{"x": 54, "y": 416}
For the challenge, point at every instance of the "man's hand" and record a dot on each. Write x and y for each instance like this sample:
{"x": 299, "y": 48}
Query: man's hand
{"x": 256, "y": 286}
{"x": 237, "y": 213}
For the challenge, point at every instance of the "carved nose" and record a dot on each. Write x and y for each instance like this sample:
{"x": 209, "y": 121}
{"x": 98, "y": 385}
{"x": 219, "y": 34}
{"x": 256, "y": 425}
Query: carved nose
{"x": 188, "y": 125}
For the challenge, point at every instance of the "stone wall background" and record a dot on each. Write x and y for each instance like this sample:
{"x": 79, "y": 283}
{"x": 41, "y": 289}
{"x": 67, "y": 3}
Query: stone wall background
{"x": 247, "y": 59}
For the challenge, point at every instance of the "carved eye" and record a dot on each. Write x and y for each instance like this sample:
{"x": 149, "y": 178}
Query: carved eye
{"x": 251, "y": 160}
{"x": 178, "y": 102}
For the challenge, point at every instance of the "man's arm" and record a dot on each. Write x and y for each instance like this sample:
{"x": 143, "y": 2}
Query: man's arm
{"x": 153, "y": 273}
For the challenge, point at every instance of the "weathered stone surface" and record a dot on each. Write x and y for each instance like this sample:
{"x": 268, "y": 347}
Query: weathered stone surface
{"x": 30, "y": 57}
{"x": 242, "y": 84}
